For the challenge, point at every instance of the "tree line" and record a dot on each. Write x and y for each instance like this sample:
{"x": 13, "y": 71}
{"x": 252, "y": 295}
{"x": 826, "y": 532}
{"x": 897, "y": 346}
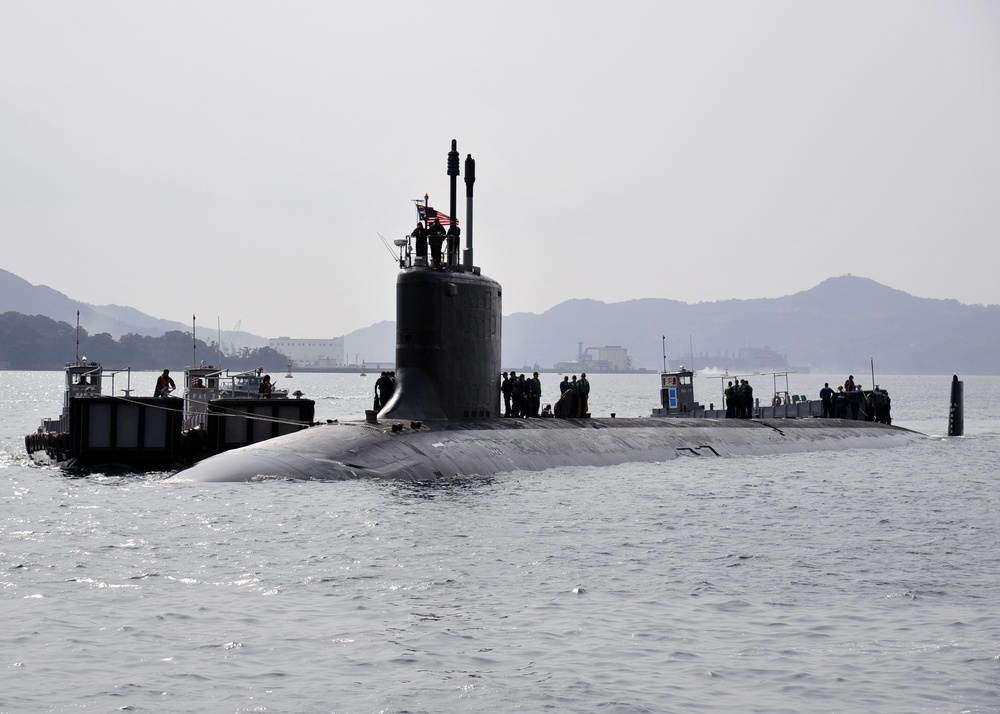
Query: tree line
{"x": 36, "y": 342}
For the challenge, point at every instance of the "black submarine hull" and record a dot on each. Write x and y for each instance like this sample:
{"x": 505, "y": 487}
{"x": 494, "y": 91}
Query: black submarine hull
{"x": 443, "y": 418}
{"x": 445, "y": 449}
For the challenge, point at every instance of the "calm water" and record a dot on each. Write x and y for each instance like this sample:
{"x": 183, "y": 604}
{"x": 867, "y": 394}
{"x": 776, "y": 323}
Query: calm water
{"x": 861, "y": 581}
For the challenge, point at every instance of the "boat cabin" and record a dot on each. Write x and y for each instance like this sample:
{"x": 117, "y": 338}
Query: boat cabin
{"x": 677, "y": 393}
{"x": 201, "y": 385}
{"x": 84, "y": 379}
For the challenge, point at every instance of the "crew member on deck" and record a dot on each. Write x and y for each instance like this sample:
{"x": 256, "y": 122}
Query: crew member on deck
{"x": 730, "y": 394}
{"x": 584, "y": 394}
{"x": 164, "y": 384}
{"x": 535, "y": 390}
{"x": 264, "y": 390}
{"x": 826, "y": 395}
{"x": 383, "y": 390}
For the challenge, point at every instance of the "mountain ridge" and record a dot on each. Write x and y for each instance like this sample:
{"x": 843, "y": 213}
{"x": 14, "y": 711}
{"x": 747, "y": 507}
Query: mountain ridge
{"x": 839, "y": 324}
{"x": 18, "y": 295}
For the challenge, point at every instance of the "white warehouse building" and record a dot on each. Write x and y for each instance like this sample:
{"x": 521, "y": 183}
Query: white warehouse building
{"x": 311, "y": 352}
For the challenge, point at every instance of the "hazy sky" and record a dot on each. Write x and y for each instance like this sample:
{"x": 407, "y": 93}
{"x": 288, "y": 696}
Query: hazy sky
{"x": 236, "y": 160}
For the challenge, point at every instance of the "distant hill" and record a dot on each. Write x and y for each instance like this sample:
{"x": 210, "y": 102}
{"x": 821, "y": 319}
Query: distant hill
{"x": 18, "y": 295}
{"x": 837, "y": 326}
{"x": 374, "y": 344}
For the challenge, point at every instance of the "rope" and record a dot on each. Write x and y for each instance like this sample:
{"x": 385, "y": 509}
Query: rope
{"x": 223, "y": 412}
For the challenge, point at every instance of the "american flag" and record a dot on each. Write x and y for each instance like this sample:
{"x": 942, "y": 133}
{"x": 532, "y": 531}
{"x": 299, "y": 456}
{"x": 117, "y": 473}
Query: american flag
{"x": 431, "y": 214}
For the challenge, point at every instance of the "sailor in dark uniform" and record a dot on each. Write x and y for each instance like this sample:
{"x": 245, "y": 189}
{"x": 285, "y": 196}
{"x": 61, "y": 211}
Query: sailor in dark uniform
{"x": 506, "y": 387}
{"x": 826, "y": 396}
{"x": 420, "y": 238}
{"x": 436, "y": 237}
{"x": 383, "y": 390}
{"x": 454, "y": 235}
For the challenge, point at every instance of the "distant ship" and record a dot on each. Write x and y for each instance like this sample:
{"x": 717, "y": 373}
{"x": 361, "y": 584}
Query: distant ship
{"x": 443, "y": 419}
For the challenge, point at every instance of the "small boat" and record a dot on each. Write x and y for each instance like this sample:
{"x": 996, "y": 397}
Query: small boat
{"x": 97, "y": 426}
{"x": 677, "y": 398}
{"x": 219, "y": 411}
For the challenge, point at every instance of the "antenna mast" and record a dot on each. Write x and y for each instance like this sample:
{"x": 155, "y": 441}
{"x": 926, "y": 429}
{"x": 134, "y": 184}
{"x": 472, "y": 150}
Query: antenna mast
{"x": 470, "y": 179}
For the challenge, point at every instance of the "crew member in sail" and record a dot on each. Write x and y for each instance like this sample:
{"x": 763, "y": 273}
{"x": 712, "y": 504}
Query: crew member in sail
{"x": 420, "y": 237}
{"x": 436, "y": 237}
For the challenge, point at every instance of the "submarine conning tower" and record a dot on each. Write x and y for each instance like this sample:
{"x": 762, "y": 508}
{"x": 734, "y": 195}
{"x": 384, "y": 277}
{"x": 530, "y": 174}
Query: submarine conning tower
{"x": 448, "y": 322}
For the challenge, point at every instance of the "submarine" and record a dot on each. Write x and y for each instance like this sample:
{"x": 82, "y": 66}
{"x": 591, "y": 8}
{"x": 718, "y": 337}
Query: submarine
{"x": 443, "y": 418}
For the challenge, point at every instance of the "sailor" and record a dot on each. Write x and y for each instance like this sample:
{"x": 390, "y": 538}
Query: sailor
{"x": 454, "y": 238}
{"x": 524, "y": 396}
{"x": 841, "y": 403}
{"x": 880, "y": 400}
{"x": 436, "y": 237}
{"x": 420, "y": 238}
{"x": 515, "y": 395}
{"x": 562, "y": 404}
{"x": 584, "y": 394}
{"x": 854, "y": 401}
{"x": 264, "y": 390}
{"x": 826, "y": 396}
{"x": 164, "y": 384}
{"x": 505, "y": 389}
{"x": 747, "y": 400}
{"x": 383, "y": 390}
{"x": 535, "y": 389}
{"x": 730, "y": 394}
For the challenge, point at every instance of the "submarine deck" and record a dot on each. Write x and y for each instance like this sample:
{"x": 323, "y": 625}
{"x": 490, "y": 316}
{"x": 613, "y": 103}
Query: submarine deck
{"x": 435, "y": 449}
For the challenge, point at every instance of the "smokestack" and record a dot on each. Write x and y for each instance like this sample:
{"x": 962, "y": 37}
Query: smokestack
{"x": 470, "y": 178}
